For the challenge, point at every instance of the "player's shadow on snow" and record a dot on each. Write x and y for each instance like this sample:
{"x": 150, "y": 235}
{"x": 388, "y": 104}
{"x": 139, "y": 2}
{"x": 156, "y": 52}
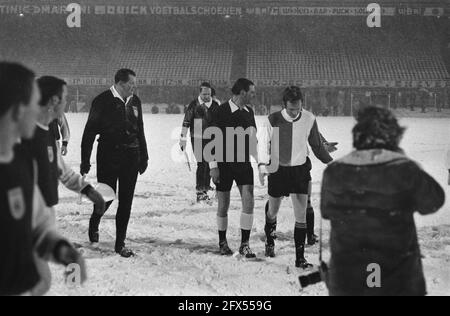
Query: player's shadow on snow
{"x": 289, "y": 237}
{"x": 281, "y": 236}
{"x": 185, "y": 212}
{"x": 192, "y": 246}
{"x": 95, "y": 251}
{"x": 149, "y": 195}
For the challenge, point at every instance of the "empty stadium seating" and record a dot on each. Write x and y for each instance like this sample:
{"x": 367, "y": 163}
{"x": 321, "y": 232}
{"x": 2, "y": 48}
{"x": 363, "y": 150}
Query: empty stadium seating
{"x": 164, "y": 59}
{"x": 345, "y": 53}
{"x": 311, "y": 48}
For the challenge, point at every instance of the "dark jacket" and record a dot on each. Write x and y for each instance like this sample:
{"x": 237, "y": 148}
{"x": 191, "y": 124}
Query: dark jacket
{"x": 194, "y": 112}
{"x": 44, "y": 151}
{"x": 370, "y": 198}
{"x": 18, "y": 272}
{"x": 113, "y": 121}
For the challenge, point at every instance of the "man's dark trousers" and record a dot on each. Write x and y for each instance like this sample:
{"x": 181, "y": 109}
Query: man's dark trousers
{"x": 121, "y": 167}
{"x": 203, "y": 171}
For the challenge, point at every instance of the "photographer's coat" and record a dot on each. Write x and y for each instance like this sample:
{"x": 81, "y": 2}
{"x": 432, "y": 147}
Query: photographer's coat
{"x": 370, "y": 197}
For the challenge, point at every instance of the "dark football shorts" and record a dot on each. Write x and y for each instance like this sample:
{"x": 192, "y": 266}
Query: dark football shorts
{"x": 241, "y": 173}
{"x": 290, "y": 180}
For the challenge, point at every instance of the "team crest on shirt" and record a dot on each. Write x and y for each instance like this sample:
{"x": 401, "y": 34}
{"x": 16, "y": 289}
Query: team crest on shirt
{"x": 16, "y": 202}
{"x": 51, "y": 156}
{"x": 135, "y": 111}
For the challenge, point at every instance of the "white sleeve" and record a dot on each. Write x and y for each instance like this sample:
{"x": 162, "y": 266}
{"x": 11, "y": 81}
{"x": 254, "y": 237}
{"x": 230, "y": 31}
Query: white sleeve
{"x": 69, "y": 178}
{"x": 65, "y": 130}
{"x": 264, "y": 143}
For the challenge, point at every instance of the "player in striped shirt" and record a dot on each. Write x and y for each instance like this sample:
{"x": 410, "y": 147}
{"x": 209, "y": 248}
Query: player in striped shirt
{"x": 283, "y": 157}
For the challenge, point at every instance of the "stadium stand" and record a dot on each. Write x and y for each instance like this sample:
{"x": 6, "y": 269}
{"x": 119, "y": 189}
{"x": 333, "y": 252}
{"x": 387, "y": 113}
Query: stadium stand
{"x": 165, "y": 59}
{"x": 58, "y": 51}
{"x": 408, "y": 51}
{"x": 268, "y": 50}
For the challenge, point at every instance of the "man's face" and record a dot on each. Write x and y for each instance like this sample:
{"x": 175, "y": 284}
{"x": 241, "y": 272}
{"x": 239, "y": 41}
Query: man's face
{"x": 129, "y": 88}
{"x": 60, "y": 106}
{"x": 250, "y": 95}
{"x": 205, "y": 95}
{"x": 294, "y": 108}
{"x": 30, "y": 112}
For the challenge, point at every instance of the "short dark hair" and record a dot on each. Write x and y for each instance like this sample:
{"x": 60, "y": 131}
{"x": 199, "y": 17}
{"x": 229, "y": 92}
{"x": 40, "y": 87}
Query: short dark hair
{"x": 213, "y": 92}
{"x": 16, "y": 85}
{"x": 292, "y": 94}
{"x": 241, "y": 84}
{"x": 377, "y": 128}
{"x": 50, "y": 87}
{"x": 124, "y": 75}
{"x": 205, "y": 85}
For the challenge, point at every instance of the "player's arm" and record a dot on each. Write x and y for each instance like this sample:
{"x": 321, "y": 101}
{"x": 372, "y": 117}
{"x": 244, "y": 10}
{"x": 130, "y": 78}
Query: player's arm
{"x": 48, "y": 243}
{"x": 65, "y": 130}
{"x": 77, "y": 183}
{"x": 91, "y": 131}
{"x": 254, "y": 140}
{"x": 317, "y": 145}
{"x": 264, "y": 149}
{"x": 142, "y": 142}
{"x": 187, "y": 123}
{"x": 216, "y": 122}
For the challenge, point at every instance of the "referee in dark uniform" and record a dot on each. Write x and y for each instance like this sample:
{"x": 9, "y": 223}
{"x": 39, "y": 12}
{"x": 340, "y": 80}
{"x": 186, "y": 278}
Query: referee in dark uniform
{"x": 235, "y": 166}
{"x": 116, "y": 115}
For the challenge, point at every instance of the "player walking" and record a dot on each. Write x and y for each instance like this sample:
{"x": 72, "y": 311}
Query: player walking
{"x": 198, "y": 118}
{"x": 234, "y": 165}
{"x": 50, "y": 164}
{"x": 284, "y": 144}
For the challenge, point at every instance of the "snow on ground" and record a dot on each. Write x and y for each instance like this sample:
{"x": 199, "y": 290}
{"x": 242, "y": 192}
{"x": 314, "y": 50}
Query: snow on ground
{"x": 176, "y": 241}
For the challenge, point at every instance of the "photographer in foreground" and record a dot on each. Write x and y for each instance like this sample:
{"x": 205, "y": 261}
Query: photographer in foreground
{"x": 370, "y": 197}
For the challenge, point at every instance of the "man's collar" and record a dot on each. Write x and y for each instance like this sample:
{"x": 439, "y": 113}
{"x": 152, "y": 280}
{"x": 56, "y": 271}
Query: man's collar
{"x": 288, "y": 118}
{"x": 116, "y": 94}
{"x": 208, "y": 104}
{"x": 43, "y": 127}
{"x": 234, "y": 107}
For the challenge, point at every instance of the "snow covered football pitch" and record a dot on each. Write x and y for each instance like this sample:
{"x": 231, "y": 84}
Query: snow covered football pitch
{"x": 176, "y": 240}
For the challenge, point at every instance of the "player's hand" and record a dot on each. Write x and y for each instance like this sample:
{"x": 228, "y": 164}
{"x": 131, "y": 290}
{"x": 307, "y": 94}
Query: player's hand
{"x": 215, "y": 175}
{"x": 183, "y": 144}
{"x": 330, "y": 147}
{"x": 262, "y": 175}
{"x": 84, "y": 169}
{"x": 66, "y": 255}
{"x": 95, "y": 197}
{"x": 64, "y": 150}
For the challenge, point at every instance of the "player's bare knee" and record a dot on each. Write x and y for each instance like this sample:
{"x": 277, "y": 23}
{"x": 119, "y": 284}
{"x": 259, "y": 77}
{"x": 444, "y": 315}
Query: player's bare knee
{"x": 300, "y": 202}
{"x": 274, "y": 207}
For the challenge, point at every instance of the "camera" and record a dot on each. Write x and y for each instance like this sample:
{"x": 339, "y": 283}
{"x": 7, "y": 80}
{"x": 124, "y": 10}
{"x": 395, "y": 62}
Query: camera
{"x": 314, "y": 277}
